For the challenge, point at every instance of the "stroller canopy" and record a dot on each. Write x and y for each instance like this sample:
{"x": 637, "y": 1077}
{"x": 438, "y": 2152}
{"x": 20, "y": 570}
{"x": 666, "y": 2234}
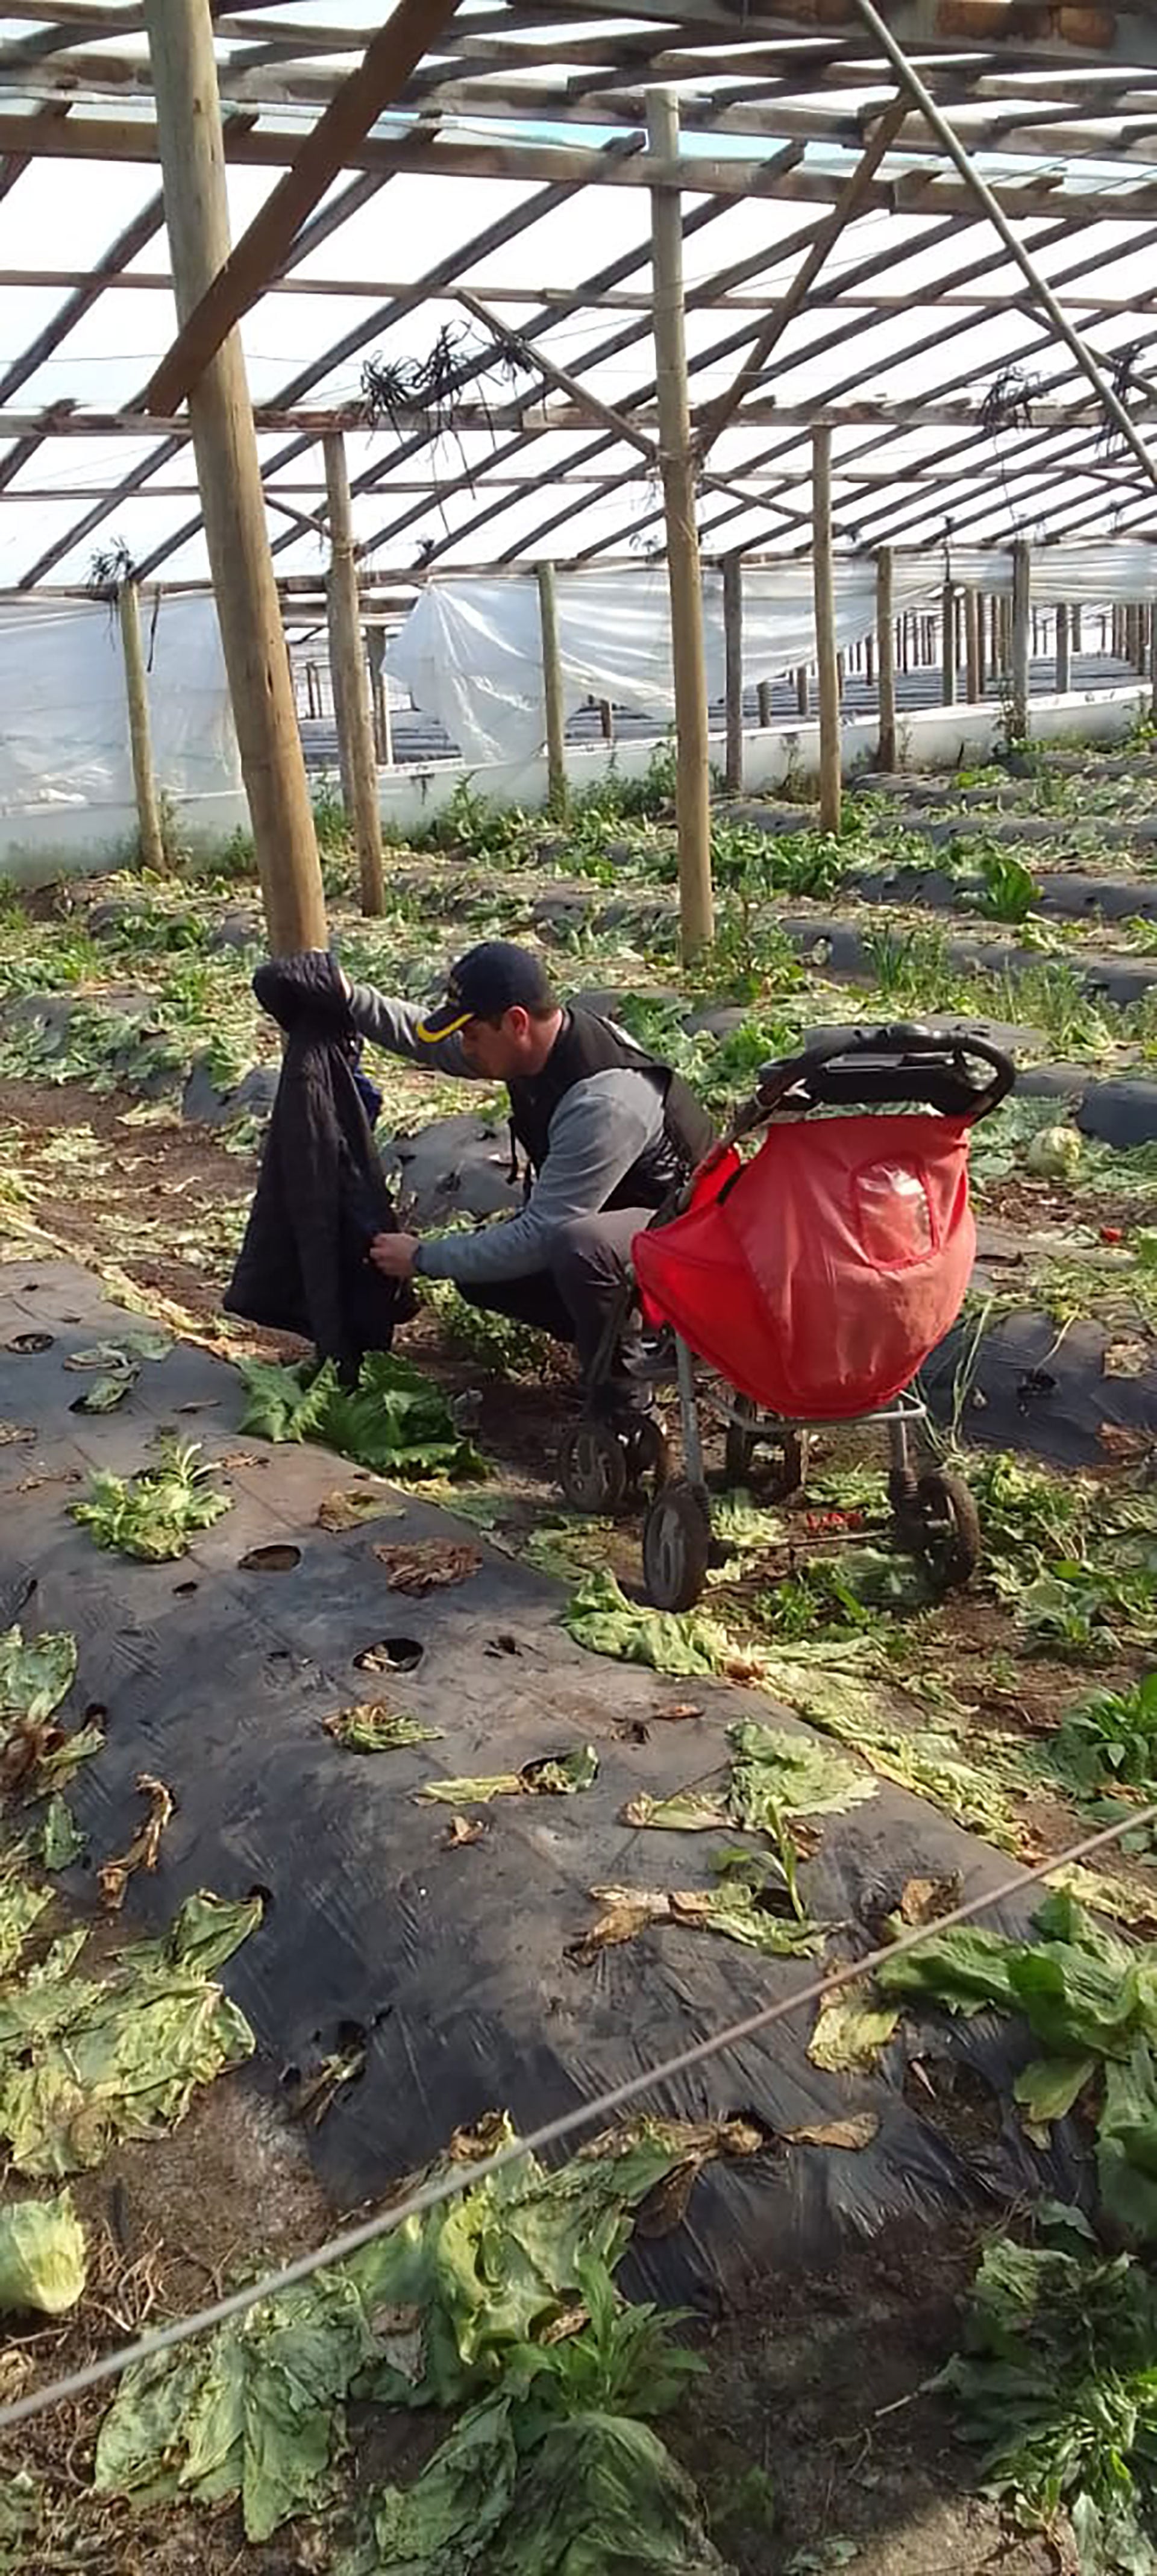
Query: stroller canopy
{"x": 817, "y": 1277}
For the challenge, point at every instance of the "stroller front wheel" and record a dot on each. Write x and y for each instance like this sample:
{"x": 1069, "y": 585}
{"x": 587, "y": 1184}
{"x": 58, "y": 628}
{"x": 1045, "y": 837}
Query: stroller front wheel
{"x": 946, "y": 1528}
{"x": 676, "y": 1547}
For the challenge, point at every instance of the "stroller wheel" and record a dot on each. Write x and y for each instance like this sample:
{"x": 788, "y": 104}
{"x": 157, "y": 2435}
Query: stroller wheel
{"x": 592, "y": 1468}
{"x": 786, "y": 1454}
{"x": 946, "y": 1528}
{"x": 676, "y": 1547}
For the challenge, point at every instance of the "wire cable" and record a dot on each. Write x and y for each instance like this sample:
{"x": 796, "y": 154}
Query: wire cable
{"x": 467, "y": 2177}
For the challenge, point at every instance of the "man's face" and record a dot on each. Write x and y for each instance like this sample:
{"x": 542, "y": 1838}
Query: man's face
{"x": 495, "y": 1049}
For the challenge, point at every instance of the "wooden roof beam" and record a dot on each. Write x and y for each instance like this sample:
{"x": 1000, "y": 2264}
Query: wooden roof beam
{"x": 389, "y": 56}
{"x": 134, "y": 139}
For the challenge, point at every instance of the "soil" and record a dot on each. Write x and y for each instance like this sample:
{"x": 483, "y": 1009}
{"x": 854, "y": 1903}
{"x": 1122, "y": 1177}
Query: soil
{"x": 812, "y": 2438}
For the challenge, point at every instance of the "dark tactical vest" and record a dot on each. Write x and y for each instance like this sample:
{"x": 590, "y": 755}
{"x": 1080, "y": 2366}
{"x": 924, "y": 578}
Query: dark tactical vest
{"x": 585, "y": 1045}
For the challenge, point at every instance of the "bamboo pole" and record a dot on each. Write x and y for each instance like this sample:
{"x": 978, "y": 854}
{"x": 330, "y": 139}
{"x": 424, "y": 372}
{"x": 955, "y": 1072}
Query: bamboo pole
{"x": 554, "y": 711}
{"x": 886, "y": 656}
{"x": 188, "y": 112}
{"x": 733, "y": 670}
{"x": 149, "y": 833}
{"x": 355, "y": 732}
{"x": 1021, "y": 631}
{"x": 693, "y": 781}
{"x": 1063, "y": 667}
{"x": 825, "y": 607}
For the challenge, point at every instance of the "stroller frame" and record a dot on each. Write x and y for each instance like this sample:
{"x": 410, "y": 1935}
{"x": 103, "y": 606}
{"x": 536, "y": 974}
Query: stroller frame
{"x": 604, "y": 1463}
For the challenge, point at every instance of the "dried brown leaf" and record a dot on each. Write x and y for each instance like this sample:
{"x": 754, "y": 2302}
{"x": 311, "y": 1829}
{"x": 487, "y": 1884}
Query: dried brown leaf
{"x": 925, "y": 1900}
{"x": 143, "y": 1851}
{"x": 463, "y": 1830}
{"x": 347, "y": 1507}
{"x": 856, "y": 2132}
{"x": 426, "y": 1565}
{"x": 676, "y": 1712}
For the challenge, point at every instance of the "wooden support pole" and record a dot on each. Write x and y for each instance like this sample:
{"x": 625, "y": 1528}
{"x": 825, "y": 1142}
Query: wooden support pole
{"x": 802, "y": 691}
{"x": 1062, "y": 673}
{"x": 693, "y": 777}
{"x": 312, "y": 700}
{"x": 1021, "y": 633}
{"x": 766, "y": 702}
{"x": 351, "y": 696}
{"x": 886, "y": 657}
{"x": 1153, "y": 659}
{"x": 905, "y": 646}
{"x": 973, "y": 663}
{"x": 554, "y": 712}
{"x": 1075, "y": 624}
{"x": 948, "y": 645}
{"x": 606, "y": 720}
{"x": 149, "y": 834}
{"x": 825, "y": 607}
{"x": 733, "y": 671}
{"x": 870, "y": 660}
{"x": 391, "y": 54}
{"x": 375, "y": 648}
{"x": 188, "y": 110}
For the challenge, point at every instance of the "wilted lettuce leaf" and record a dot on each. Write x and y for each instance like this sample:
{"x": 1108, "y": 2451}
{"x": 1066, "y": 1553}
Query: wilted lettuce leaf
{"x": 43, "y": 2258}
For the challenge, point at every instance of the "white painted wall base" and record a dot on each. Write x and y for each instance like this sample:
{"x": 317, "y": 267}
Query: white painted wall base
{"x": 929, "y": 738}
{"x": 40, "y": 842}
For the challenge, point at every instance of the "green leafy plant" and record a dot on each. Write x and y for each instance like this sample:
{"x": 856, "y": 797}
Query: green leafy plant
{"x": 1056, "y": 2386}
{"x": 1111, "y": 1736}
{"x": 1011, "y": 891}
{"x": 394, "y": 1420}
{"x": 154, "y": 1514}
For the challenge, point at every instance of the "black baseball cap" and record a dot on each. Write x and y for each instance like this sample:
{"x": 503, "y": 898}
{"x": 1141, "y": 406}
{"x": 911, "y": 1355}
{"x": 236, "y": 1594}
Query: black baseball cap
{"x": 490, "y": 979}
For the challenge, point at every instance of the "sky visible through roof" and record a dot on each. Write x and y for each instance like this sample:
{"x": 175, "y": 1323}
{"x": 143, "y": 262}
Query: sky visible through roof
{"x": 884, "y": 323}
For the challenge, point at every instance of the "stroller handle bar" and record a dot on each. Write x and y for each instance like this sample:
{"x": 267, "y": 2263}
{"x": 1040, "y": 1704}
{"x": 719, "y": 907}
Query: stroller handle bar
{"x": 899, "y": 1062}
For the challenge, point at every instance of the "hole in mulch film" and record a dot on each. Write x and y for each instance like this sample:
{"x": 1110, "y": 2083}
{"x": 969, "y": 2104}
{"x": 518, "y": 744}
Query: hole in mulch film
{"x": 390, "y": 1655}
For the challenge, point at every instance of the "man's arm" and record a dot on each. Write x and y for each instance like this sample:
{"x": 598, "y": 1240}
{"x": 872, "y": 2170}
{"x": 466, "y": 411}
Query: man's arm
{"x": 393, "y": 1025}
{"x": 598, "y": 1130}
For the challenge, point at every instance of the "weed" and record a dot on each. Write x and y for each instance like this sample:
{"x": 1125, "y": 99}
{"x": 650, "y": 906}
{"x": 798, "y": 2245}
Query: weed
{"x": 1110, "y": 1737}
{"x": 1010, "y": 889}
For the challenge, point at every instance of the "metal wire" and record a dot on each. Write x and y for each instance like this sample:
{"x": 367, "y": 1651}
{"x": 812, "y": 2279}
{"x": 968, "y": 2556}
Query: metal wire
{"x": 467, "y": 2177}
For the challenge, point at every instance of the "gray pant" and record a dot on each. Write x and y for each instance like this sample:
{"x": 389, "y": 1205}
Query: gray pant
{"x": 573, "y": 1298}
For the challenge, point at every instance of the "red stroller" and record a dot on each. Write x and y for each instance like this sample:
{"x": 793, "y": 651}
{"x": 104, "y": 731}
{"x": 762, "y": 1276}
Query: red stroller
{"x": 810, "y": 1283}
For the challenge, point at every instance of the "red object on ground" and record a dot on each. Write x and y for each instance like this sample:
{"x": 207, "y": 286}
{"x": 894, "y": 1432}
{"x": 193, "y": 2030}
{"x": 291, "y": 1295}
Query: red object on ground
{"x": 1112, "y": 1234}
{"x": 817, "y": 1277}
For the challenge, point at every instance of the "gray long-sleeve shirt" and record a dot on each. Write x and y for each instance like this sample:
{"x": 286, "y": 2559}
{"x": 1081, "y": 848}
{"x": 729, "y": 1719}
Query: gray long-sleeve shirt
{"x": 599, "y": 1129}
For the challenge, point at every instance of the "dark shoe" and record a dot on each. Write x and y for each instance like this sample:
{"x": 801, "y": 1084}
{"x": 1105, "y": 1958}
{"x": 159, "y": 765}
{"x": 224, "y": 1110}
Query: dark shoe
{"x": 648, "y": 1357}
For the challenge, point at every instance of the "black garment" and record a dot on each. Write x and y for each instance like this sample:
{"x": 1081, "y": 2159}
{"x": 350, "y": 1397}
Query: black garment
{"x": 321, "y": 1192}
{"x": 586, "y": 1045}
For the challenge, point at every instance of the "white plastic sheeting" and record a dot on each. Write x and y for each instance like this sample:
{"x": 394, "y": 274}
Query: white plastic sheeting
{"x": 1092, "y": 576}
{"x": 64, "y": 728}
{"x": 470, "y": 650}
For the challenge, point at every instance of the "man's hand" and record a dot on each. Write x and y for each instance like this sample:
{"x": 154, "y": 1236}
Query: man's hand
{"x": 394, "y": 1254}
